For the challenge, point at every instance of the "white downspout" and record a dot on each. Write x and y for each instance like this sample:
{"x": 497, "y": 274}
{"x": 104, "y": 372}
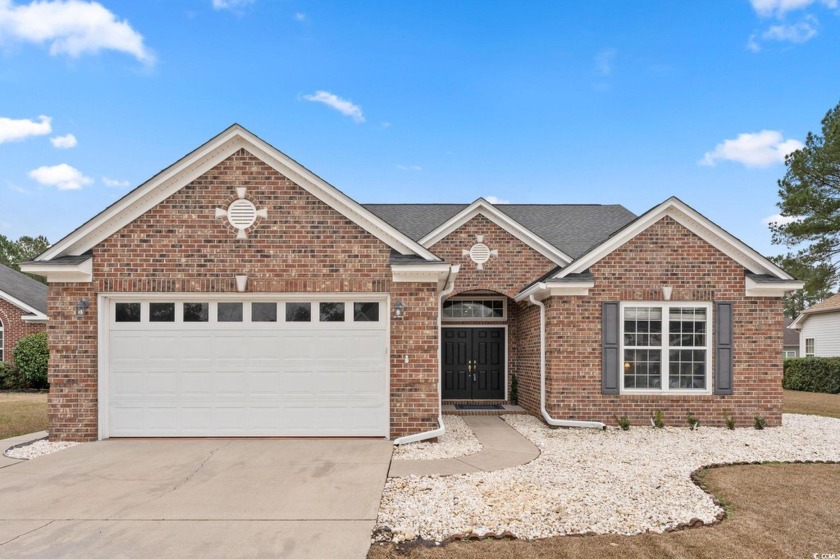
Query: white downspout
{"x": 450, "y": 286}
{"x": 548, "y": 419}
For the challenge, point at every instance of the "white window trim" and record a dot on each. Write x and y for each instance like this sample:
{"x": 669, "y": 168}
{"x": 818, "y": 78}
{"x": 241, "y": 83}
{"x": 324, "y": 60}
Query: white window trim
{"x": 813, "y": 351}
{"x": 665, "y": 390}
{"x": 2, "y": 342}
{"x": 503, "y": 318}
{"x": 792, "y": 353}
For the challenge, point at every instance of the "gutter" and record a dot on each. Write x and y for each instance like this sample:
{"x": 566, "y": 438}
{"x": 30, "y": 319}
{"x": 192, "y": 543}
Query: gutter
{"x": 449, "y": 288}
{"x": 548, "y": 419}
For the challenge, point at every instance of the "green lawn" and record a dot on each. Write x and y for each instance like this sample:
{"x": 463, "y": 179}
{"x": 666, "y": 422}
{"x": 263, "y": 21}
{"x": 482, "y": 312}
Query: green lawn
{"x": 22, "y": 413}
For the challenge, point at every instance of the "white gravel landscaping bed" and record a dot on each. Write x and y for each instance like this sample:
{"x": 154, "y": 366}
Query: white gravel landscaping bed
{"x": 38, "y": 448}
{"x": 594, "y": 481}
{"x": 457, "y": 440}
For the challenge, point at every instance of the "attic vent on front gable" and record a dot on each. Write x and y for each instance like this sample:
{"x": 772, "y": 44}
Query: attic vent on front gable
{"x": 241, "y": 214}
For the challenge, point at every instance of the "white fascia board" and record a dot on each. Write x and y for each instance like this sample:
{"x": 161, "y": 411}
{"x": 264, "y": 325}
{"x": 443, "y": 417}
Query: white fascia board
{"x": 422, "y": 273}
{"x": 694, "y": 222}
{"x": 543, "y": 290}
{"x": 774, "y": 289}
{"x": 35, "y": 319}
{"x": 37, "y": 315}
{"x": 798, "y": 322}
{"x": 61, "y": 273}
{"x": 171, "y": 180}
{"x": 485, "y": 208}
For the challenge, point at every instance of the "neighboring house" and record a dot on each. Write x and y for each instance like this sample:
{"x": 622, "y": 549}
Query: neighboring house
{"x": 791, "y": 340}
{"x": 23, "y": 309}
{"x": 236, "y": 293}
{"x": 819, "y": 329}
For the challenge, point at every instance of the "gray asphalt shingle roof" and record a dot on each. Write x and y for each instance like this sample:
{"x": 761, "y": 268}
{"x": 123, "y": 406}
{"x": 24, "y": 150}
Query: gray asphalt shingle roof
{"x": 572, "y": 228}
{"x": 23, "y": 288}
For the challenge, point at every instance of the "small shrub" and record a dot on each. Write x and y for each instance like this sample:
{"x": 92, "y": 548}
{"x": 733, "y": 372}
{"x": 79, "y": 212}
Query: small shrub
{"x": 730, "y": 422}
{"x": 514, "y": 389}
{"x": 657, "y": 419}
{"x": 760, "y": 422}
{"x": 812, "y": 374}
{"x": 32, "y": 359}
{"x": 623, "y": 422}
{"x": 693, "y": 422}
{"x": 10, "y": 378}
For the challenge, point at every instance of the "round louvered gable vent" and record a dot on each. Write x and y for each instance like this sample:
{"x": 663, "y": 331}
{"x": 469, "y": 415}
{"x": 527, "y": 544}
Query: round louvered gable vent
{"x": 242, "y": 214}
{"x": 480, "y": 253}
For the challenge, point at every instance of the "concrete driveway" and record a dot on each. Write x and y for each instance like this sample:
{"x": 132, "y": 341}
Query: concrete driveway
{"x": 195, "y": 498}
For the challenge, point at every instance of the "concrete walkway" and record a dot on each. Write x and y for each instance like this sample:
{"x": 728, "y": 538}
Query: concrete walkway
{"x": 502, "y": 447}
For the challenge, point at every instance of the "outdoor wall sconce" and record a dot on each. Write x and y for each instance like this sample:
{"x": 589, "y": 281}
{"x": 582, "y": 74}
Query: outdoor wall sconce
{"x": 666, "y": 292}
{"x": 81, "y": 306}
{"x": 399, "y": 309}
{"x": 241, "y": 283}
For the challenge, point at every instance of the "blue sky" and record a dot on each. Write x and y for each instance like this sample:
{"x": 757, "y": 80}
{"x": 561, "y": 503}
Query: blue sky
{"x": 538, "y": 102}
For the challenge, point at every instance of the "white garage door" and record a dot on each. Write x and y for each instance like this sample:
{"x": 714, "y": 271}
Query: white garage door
{"x": 268, "y": 367}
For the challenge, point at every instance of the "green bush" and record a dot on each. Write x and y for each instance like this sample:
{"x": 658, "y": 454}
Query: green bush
{"x": 32, "y": 359}
{"x": 514, "y": 389}
{"x": 657, "y": 419}
{"x": 813, "y": 374}
{"x": 759, "y": 422}
{"x": 623, "y": 422}
{"x": 10, "y": 378}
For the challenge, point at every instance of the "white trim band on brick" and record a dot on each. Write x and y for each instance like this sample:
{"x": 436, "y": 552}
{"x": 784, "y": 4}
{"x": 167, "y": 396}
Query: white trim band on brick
{"x": 61, "y": 273}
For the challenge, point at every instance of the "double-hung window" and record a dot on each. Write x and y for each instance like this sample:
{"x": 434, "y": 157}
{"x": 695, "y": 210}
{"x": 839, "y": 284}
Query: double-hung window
{"x": 666, "y": 347}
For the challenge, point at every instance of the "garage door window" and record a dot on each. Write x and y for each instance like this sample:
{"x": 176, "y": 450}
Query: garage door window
{"x": 332, "y": 312}
{"x": 298, "y": 312}
{"x": 196, "y": 312}
{"x": 366, "y": 312}
{"x": 263, "y": 312}
{"x": 128, "y": 312}
{"x": 161, "y": 312}
{"x": 229, "y": 312}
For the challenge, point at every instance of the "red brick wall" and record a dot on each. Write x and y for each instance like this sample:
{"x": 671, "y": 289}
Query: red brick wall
{"x": 665, "y": 254}
{"x": 14, "y": 328}
{"x": 528, "y": 354}
{"x": 516, "y": 266}
{"x": 179, "y": 246}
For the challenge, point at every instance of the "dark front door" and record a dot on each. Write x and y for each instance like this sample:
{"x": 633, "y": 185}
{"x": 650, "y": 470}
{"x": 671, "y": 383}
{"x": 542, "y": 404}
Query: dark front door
{"x": 473, "y": 365}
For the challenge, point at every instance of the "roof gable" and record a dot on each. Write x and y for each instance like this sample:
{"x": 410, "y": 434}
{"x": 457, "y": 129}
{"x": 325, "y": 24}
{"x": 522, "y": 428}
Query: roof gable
{"x": 485, "y": 208}
{"x": 692, "y": 220}
{"x": 178, "y": 175}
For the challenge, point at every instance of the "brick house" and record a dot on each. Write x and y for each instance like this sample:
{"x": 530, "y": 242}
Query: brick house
{"x": 236, "y": 293}
{"x": 23, "y": 309}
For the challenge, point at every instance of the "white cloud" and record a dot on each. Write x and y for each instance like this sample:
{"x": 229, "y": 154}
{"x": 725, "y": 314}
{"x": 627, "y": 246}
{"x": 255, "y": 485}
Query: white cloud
{"x": 19, "y": 129}
{"x": 230, "y": 4}
{"x": 779, "y": 219}
{"x": 605, "y": 62}
{"x": 778, "y": 8}
{"x": 62, "y": 176}
{"x": 801, "y": 32}
{"x": 753, "y": 44}
{"x": 71, "y": 27}
{"x": 409, "y": 167}
{"x": 64, "y": 142}
{"x": 300, "y": 16}
{"x": 758, "y": 149}
{"x": 496, "y": 200}
{"x": 115, "y": 183}
{"x": 345, "y": 107}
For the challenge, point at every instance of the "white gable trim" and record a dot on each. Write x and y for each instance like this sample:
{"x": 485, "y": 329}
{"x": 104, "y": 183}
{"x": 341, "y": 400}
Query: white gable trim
{"x": 774, "y": 289}
{"x": 38, "y": 315}
{"x": 61, "y": 273}
{"x": 692, "y": 220}
{"x": 174, "y": 178}
{"x": 485, "y": 208}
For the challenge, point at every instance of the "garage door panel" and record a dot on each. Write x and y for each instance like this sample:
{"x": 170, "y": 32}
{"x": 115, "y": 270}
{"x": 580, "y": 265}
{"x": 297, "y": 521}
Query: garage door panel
{"x": 270, "y": 379}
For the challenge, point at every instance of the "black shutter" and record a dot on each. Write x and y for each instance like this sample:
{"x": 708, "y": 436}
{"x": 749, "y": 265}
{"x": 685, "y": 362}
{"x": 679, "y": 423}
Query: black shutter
{"x": 723, "y": 348}
{"x": 609, "y": 348}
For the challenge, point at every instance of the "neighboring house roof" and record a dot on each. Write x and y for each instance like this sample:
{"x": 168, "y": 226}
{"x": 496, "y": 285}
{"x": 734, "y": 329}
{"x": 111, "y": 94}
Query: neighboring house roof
{"x": 193, "y": 165}
{"x": 571, "y": 228}
{"x": 832, "y": 304}
{"x": 24, "y": 292}
{"x": 791, "y": 336}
